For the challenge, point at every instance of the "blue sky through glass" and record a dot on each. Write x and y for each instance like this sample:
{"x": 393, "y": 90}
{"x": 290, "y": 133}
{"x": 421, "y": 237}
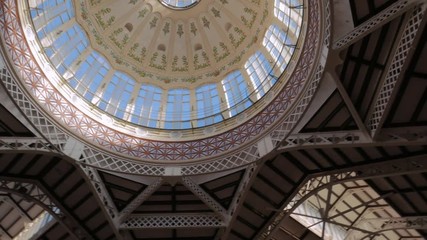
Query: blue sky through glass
{"x": 92, "y": 76}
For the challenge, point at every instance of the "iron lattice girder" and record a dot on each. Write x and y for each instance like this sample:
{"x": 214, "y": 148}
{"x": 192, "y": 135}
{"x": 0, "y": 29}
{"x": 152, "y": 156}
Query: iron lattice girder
{"x": 204, "y": 196}
{"x": 33, "y": 192}
{"x": 135, "y": 203}
{"x": 408, "y": 222}
{"x": 401, "y": 166}
{"x": 317, "y": 182}
{"x": 370, "y": 227}
{"x": 101, "y": 191}
{"x": 379, "y": 20}
{"x": 387, "y": 137}
{"x": 26, "y": 143}
{"x": 395, "y": 66}
{"x": 173, "y": 221}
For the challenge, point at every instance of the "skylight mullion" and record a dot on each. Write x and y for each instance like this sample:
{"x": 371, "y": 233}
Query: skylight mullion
{"x": 50, "y": 37}
{"x": 44, "y": 19}
{"x": 65, "y": 49}
{"x": 73, "y": 68}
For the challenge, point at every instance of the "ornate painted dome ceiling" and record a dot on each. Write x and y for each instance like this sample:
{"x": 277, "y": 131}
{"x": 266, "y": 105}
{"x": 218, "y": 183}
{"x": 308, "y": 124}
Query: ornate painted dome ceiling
{"x": 161, "y": 46}
{"x": 169, "y": 64}
{"x": 92, "y": 90}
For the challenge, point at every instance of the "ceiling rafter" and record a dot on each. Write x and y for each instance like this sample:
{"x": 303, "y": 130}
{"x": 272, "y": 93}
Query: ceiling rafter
{"x": 397, "y": 63}
{"x": 374, "y": 22}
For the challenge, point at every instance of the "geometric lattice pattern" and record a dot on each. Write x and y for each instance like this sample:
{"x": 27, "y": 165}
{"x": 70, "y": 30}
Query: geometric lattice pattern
{"x": 173, "y": 221}
{"x": 141, "y": 148}
{"x": 396, "y": 65}
{"x": 382, "y": 18}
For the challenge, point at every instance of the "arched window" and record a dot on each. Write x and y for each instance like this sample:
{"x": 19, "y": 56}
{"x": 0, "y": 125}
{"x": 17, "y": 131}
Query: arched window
{"x": 259, "y": 71}
{"x": 236, "y": 93}
{"x": 67, "y": 48}
{"x": 147, "y": 106}
{"x": 178, "y": 109}
{"x": 117, "y": 94}
{"x": 290, "y": 13}
{"x": 279, "y": 46}
{"x": 89, "y": 75}
{"x": 46, "y": 22}
{"x": 208, "y": 105}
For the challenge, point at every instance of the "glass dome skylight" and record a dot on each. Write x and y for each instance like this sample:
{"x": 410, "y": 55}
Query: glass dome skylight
{"x": 192, "y": 78}
{"x": 179, "y": 4}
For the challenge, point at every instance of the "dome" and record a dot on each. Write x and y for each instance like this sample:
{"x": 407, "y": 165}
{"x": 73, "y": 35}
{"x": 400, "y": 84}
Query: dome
{"x": 91, "y": 75}
{"x": 146, "y": 64}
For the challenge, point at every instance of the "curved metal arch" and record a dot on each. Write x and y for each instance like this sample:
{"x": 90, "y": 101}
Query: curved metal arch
{"x": 44, "y": 201}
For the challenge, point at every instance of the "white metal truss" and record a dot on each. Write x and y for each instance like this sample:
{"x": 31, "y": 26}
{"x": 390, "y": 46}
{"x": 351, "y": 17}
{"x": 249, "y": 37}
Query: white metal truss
{"x": 246, "y": 156}
{"x": 101, "y": 191}
{"x": 330, "y": 72}
{"x": 387, "y": 137}
{"x": 242, "y": 191}
{"x": 173, "y": 221}
{"x": 336, "y": 211}
{"x": 301, "y": 140}
{"x": 34, "y": 193}
{"x": 103, "y": 198}
{"x": 248, "y": 176}
{"x": 315, "y": 183}
{"x": 375, "y": 22}
{"x": 393, "y": 75}
{"x": 285, "y": 128}
{"x": 370, "y": 227}
{"x": 205, "y": 197}
{"x": 413, "y": 222}
{"x": 135, "y": 203}
{"x": 102, "y": 160}
{"x": 12, "y": 108}
{"x": 26, "y": 143}
{"x": 290, "y": 122}
{"x": 46, "y": 127}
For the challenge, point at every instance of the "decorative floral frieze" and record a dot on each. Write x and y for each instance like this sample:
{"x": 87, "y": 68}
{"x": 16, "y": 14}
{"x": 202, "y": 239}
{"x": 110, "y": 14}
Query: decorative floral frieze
{"x": 103, "y": 18}
{"x": 130, "y": 49}
{"x": 220, "y": 52}
{"x": 252, "y": 14}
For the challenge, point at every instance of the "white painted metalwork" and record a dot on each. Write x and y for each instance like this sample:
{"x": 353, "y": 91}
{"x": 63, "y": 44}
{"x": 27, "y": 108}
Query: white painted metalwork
{"x": 135, "y": 203}
{"x": 35, "y": 193}
{"x": 313, "y": 184}
{"x": 393, "y": 74}
{"x": 387, "y": 137}
{"x": 369, "y": 228}
{"x": 101, "y": 191}
{"x": 205, "y": 197}
{"x": 241, "y": 192}
{"x": 382, "y": 18}
{"x": 301, "y": 140}
{"x": 172, "y": 221}
{"x": 26, "y": 143}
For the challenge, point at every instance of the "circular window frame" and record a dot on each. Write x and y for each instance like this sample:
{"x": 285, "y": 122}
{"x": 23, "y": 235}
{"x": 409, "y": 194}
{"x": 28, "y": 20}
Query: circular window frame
{"x": 170, "y": 6}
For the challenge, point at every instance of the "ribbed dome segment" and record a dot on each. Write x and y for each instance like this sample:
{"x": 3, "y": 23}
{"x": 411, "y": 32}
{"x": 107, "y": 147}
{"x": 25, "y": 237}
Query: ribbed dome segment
{"x": 148, "y": 64}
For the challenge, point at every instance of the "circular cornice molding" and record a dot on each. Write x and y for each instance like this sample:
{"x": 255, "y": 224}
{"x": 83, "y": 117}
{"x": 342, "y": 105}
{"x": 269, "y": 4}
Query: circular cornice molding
{"x": 230, "y": 149}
